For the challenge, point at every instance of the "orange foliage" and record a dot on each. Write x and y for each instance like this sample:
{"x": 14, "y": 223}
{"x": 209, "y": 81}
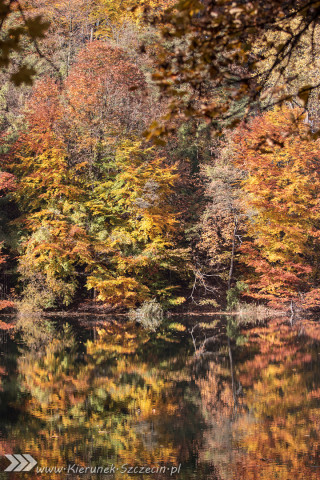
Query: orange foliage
{"x": 95, "y": 197}
{"x": 3, "y": 305}
{"x": 281, "y": 190}
{"x": 105, "y": 88}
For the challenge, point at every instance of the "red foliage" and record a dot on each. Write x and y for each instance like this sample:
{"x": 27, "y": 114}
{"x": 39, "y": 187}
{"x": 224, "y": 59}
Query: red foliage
{"x": 104, "y": 85}
{"x": 6, "y": 304}
{"x": 281, "y": 191}
{"x": 7, "y": 183}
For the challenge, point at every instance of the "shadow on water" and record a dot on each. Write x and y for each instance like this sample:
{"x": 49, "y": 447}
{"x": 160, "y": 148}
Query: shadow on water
{"x": 113, "y": 393}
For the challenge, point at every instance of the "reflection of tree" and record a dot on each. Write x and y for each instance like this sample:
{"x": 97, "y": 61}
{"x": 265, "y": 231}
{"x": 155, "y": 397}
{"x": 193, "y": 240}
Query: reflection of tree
{"x": 221, "y": 406}
{"x": 275, "y": 434}
{"x": 106, "y": 405}
{"x": 129, "y": 397}
{"x": 283, "y": 392}
{"x": 275, "y": 430}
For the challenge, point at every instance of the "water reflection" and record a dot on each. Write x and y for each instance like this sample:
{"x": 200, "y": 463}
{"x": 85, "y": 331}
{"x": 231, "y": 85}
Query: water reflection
{"x": 275, "y": 433}
{"x": 123, "y": 396}
{"x": 118, "y": 400}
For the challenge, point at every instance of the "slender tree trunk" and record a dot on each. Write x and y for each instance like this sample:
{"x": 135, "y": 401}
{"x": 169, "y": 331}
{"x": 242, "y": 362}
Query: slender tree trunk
{"x": 69, "y": 47}
{"x": 233, "y": 252}
{"x": 292, "y": 312}
{"x": 234, "y": 395}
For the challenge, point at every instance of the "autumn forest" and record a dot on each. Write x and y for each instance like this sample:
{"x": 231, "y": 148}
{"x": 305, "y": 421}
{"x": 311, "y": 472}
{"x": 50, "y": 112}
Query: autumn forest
{"x": 159, "y": 151}
{"x": 160, "y": 239}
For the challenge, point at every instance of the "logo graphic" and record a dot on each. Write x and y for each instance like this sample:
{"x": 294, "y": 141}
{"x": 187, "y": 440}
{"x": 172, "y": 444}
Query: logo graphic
{"x": 20, "y": 463}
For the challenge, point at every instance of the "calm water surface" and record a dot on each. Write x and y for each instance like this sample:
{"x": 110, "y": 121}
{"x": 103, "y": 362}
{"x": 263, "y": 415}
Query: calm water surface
{"x": 117, "y": 396}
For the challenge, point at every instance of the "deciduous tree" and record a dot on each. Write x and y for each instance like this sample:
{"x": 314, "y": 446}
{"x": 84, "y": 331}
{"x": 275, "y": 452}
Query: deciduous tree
{"x": 282, "y": 192}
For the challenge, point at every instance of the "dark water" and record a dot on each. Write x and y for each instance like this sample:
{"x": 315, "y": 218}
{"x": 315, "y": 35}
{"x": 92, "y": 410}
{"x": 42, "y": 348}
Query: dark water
{"x": 113, "y": 396}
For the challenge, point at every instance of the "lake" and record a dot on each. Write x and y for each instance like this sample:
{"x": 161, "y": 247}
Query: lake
{"x": 105, "y": 399}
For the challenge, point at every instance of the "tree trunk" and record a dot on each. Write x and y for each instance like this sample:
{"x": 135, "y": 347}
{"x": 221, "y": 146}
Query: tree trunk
{"x": 233, "y": 252}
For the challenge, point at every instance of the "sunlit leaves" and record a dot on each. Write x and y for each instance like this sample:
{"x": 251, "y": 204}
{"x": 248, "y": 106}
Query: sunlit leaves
{"x": 111, "y": 16}
{"x": 217, "y": 53}
{"x": 281, "y": 188}
{"x": 139, "y": 243}
{"x": 96, "y": 199}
